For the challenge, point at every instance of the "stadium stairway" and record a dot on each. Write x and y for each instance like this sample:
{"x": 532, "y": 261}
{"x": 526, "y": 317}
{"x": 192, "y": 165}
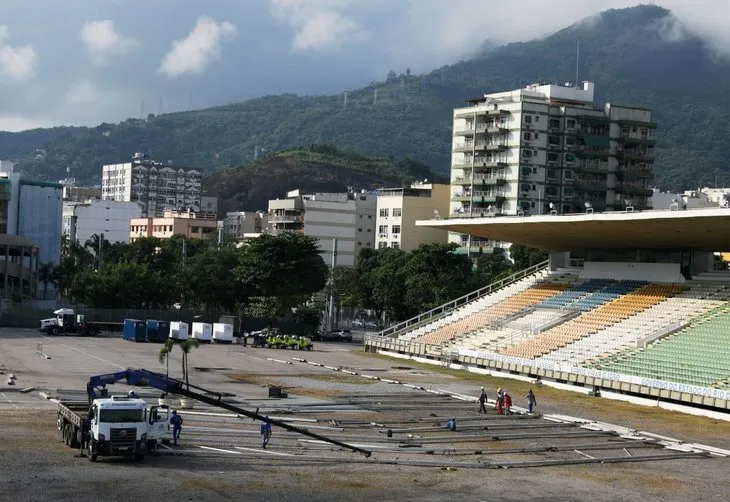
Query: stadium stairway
{"x": 508, "y": 305}
{"x": 609, "y": 306}
{"x": 654, "y": 321}
{"x": 696, "y": 355}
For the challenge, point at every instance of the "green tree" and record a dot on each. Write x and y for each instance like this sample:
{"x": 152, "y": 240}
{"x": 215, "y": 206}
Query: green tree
{"x": 434, "y": 274}
{"x": 491, "y": 267}
{"x": 48, "y": 273}
{"x": 388, "y": 283}
{"x": 210, "y": 284}
{"x": 283, "y": 271}
{"x": 125, "y": 285}
{"x": 309, "y": 317}
{"x": 523, "y": 257}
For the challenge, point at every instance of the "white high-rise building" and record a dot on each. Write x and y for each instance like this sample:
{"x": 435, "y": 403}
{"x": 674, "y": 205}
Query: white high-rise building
{"x": 109, "y": 218}
{"x": 549, "y": 148}
{"x": 158, "y": 186}
{"x": 348, "y": 218}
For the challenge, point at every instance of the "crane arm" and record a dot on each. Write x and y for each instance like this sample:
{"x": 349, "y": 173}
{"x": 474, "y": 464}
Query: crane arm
{"x": 173, "y": 386}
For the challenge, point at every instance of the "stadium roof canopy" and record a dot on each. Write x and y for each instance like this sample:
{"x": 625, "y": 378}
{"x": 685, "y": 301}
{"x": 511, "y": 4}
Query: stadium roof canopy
{"x": 707, "y": 229}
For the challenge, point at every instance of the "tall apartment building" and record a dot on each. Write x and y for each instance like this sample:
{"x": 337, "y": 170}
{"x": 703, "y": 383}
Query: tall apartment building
{"x": 109, "y": 218}
{"x": 189, "y": 224}
{"x": 347, "y": 217}
{"x": 399, "y": 208}
{"x": 157, "y": 186}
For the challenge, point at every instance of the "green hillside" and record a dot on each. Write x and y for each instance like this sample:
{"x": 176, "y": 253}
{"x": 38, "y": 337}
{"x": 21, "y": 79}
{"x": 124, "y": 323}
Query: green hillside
{"x": 623, "y": 51}
{"x": 317, "y": 168}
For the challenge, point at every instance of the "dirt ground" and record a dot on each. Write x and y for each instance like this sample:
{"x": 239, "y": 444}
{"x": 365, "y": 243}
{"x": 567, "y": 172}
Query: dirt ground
{"x": 35, "y": 465}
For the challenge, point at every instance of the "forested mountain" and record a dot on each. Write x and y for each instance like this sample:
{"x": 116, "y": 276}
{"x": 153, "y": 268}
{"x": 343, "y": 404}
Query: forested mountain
{"x": 636, "y": 56}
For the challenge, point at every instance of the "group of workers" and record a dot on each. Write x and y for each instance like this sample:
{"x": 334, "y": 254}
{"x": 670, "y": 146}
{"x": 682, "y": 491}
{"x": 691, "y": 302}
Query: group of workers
{"x": 503, "y": 404}
{"x": 176, "y": 421}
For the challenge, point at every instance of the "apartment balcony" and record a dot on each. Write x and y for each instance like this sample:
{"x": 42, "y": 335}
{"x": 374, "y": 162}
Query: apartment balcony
{"x": 589, "y": 167}
{"x": 588, "y": 185}
{"x": 490, "y": 164}
{"x": 496, "y": 146}
{"x": 463, "y": 147}
{"x": 649, "y": 125}
{"x": 626, "y": 138}
{"x": 480, "y": 180}
{"x": 588, "y": 151}
{"x": 285, "y": 218}
{"x": 476, "y": 197}
{"x": 627, "y": 188}
{"x": 495, "y": 129}
{"x": 480, "y": 112}
{"x": 642, "y": 155}
{"x": 628, "y": 173}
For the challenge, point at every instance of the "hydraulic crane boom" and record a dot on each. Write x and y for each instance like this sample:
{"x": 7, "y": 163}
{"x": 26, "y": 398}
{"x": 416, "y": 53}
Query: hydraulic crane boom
{"x": 173, "y": 386}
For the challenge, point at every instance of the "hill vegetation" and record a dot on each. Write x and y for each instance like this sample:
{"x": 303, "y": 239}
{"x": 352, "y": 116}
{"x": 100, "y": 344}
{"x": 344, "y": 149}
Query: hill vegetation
{"x": 321, "y": 168}
{"x": 634, "y": 55}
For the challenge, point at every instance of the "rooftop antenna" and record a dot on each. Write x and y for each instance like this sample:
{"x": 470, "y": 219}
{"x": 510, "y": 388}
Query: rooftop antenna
{"x": 577, "y": 62}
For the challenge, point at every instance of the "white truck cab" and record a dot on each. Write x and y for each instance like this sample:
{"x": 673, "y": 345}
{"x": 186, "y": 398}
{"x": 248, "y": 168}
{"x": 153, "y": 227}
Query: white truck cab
{"x": 124, "y": 425}
{"x": 65, "y": 321}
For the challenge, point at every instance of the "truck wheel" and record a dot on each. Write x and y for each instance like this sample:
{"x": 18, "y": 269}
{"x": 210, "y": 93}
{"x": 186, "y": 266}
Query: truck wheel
{"x": 66, "y": 435}
{"x": 91, "y": 451}
{"x": 54, "y": 331}
{"x": 92, "y": 457}
{"x": 75, "y": 443}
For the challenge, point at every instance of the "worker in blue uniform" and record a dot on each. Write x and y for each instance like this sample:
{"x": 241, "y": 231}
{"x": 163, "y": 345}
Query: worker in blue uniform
{"x": 176, "y": 421}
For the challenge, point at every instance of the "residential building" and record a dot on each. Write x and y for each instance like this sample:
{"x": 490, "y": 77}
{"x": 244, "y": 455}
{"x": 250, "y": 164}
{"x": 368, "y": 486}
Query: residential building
{"x": 158, "y": 186}
{"x": 348, "y": 218}
{"x": 241, "y": 224}
{"x": 399, "y": 208}
{"x": 31, "y": 211}
{"x": 717, "y": 196}
{"x": 187, "y": 223}
{"x": 549, "y": 148}
{"x": 109, "y": 218}
{"x": 692, "y": 199}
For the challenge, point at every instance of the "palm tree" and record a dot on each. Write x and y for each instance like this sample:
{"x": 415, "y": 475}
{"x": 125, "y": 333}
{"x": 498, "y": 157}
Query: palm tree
{"x": 47, "y": 274}
{"x": 185, "y": 346}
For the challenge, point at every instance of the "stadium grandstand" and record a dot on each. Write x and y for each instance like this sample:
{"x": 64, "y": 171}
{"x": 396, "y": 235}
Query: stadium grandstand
{"x": 629, "y": 302}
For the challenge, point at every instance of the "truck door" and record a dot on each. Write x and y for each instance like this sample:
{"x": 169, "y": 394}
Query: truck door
{"x": 158, "y": 423}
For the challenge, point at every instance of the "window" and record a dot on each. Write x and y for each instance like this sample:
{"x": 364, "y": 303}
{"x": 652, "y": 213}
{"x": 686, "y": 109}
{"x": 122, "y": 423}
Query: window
{"x": 554, "y": 123}
{"x": 368, "y": 230}
{"x": 382, "y": 245}
{"x": 367, "y": 243}
{"x": 552, "y": 157}
{"x": 528, "y": 119}
{"x": 397, "y": 211}
{"x": 571, "y": 124}
{"x": 395, "y": 245}
{"x": 537, "y": 119}
{"x": 536, "y": 136}
{"x": 384, "y": 213}
{"x": 383, "y": 229}
{"x": 525, "y": 187}
{"x": 359, "y": 229}
{"x": 395, "y": 229}
{"x": 534, "y": 170}
{"x": 526, "y": 136}
{"x": 370, "y": 217}
{"x": 527, "y": 154}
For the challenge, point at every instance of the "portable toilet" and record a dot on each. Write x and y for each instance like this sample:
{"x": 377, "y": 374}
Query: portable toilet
{"x": 134, "y": 330}
{"x": 222, "y": 332}
{"x": 157, "y": 331}
{"x": 202, "y": 331}
{"x": 179, "y": 330}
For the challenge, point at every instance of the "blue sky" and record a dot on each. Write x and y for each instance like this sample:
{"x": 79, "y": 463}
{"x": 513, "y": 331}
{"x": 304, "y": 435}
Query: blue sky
{"x": 83, "y": 62}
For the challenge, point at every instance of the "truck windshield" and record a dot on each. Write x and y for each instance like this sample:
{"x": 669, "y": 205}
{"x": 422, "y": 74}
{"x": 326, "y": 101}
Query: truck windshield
{"x": 121, "y": 415}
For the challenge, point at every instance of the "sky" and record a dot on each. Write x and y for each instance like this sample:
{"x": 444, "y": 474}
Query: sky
{"x": 84, "y": 62}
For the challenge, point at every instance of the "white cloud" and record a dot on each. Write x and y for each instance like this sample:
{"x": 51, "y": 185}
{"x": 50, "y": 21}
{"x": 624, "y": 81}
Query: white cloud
{"x": 19, "y": 62}
{"x": 195, "y": 52}
{"x": 102, "y": 40}
{"x": 82, "y": 92}
{"x": 318, "y": 24}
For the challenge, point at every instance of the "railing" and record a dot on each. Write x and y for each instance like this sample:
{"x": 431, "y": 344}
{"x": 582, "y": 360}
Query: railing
{"x": 662, "y": 332}
{"x": 446, "y": 308}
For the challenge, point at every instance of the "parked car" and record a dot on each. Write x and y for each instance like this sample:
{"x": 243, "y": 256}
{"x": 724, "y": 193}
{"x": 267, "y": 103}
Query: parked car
{"x": 345, "y": 335}
{"x": 371, "y": 325}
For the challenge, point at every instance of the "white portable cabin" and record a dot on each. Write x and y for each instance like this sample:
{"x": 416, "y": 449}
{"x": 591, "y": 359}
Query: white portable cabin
{"x": 222, "y": 333}
{"x": 202, "y": 331}
{"x": 178, "y": 330}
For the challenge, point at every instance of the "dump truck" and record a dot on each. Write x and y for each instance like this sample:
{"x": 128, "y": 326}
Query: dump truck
{"x": 112, "y": 426}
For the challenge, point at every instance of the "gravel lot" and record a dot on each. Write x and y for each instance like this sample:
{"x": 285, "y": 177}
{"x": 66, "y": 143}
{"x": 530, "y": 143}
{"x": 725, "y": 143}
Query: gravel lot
{"x": 35, "y": 465}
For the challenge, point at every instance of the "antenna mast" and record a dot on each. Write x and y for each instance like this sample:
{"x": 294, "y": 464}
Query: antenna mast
{"x": 577, "y": 62}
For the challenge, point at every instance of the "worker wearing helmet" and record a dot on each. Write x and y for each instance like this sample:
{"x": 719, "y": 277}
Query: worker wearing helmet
{"x": 131, "y": 394}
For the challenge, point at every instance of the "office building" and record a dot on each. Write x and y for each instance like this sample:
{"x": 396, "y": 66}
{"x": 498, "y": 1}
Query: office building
{"x": 549, "y": 149}
{"x": 157, "y": 186}
{"x": 186, "y": 223}
{"x": 109, "y": 218}
{"x": 399, "y": 208}
{"x": 30, "y": 212}
{"x": 348, "y": 218}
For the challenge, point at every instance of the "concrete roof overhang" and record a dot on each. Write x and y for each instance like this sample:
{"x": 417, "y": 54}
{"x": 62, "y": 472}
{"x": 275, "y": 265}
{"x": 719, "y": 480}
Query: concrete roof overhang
{"x": 707, "y": 229}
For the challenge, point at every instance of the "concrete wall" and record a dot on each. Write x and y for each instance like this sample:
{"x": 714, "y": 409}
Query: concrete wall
{"x": 107, "y": 217}
{"x": 652, "y": 272}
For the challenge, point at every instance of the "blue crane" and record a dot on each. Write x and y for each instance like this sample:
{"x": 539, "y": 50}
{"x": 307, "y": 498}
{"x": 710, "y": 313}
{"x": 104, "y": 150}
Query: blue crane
{"x": 96, "y": 387}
